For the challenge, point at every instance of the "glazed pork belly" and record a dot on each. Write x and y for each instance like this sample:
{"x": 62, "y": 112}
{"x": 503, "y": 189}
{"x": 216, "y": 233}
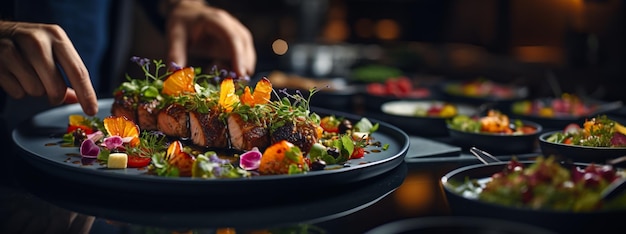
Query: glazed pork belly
{"x": 173, "y": 121}
{"x": 124, "y": 106}
{"x": 245, "y": 135}
{"x": 147, "y": 113}
{"x": 208, "y": 130}
{"x": 299, "y": 132}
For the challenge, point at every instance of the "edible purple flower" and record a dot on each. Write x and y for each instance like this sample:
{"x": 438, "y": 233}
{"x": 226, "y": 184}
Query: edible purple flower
{"x": 95, "y": 136}
{"x": 250, "y": 160}
{"x": 175, "y": 66}
{"x": 89, "y": 149}
{"x": 113, "y": 142}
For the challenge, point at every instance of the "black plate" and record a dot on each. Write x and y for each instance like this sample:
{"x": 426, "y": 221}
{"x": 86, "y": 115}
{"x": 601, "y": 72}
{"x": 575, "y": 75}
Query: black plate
{"x": 561, "y": 222}
{"x": 400, "y": 113}
{"x": 497, "y": 143}
{"x": 32, "y": 137}
{"x": 171, "y": 213}
{"x": 456, "y": 224}
{"x": 579, "y": 153}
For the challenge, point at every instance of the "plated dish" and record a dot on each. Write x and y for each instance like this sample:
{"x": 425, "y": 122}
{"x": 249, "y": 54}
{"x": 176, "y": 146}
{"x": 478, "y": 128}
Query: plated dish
{"x": 464, "y": 186}
{"x": 559, "y": 112}
{"x": 36, "y": 141}
{"x": 495, "y": 133}
{"x": 481, "y": 90}
{"x": 598, "y": 140}
{"x": 190, "y": 125}
{"x": 424, "y": 117}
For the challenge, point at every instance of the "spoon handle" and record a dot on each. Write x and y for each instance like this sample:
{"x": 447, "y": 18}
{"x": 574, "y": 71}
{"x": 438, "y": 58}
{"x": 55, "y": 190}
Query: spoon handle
{"x": 616, "y": 188}
{"x": 483, "y": 156}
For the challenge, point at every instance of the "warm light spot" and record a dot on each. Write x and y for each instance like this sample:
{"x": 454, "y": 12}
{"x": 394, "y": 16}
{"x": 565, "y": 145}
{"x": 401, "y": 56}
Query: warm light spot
{"x": 364, "y": 28}
{"x": 387, "y": 29}
{"x": 415, "y": 193}
{"x": 280, "y": 46}
{"x": 336, "y": 30}
{"x": 539, "y": 54}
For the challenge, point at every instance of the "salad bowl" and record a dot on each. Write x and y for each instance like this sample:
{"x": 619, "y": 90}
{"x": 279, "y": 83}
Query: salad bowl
{"x": 578, "y": 153}
{"x": 460, "y": 189}
{"x": 495, "y": 133}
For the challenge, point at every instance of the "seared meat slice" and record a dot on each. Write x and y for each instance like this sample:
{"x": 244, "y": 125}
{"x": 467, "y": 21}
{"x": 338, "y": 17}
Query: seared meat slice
{"x": 147, "y": 113}
{"x": 301, "y": 133}
{"x": 245, "y": 135}
{"x": 173, "y": 121}
{"x": 124, "y": 106}
{"x": 208, "y": 130}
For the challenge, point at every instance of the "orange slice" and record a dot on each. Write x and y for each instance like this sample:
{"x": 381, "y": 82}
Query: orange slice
{"x": 246, "y": 97}
{"x": 121, "y": 126}
{"x": 262, "y": 91}
{"x": 182, "y": 160}
{"x": 228, "y": 98}
{"x": 179, "y": 82}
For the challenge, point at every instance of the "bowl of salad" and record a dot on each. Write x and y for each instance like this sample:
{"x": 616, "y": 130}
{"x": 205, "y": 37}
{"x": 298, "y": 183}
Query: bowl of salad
{"x": 424, "y": 117}
{"x": 563, "y": 197}
{"x": 481, "y": 90}
{"x": 495, "y": 132}
{"x": 558, "y": 112}
{"x": 597, "y": 140}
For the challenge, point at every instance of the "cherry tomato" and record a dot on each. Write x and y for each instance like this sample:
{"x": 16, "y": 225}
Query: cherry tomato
{"x": 330, "y": 124}
{"x": 72, "y": 128}
{"x": 357, "y": 153}
{"x": 137, "y": 161}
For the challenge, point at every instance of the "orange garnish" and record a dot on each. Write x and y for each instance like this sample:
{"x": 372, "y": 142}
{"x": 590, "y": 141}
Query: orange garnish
{"x": 262, "y": 91}
{"x": 179, "y": 82}
{"x": 75, "y": 120}
{"x": 122, "y": 127}
{"x": 278, "y": 157}
{"x": 246, "y": 97}
{"x": 228, "y": 98}
{"x": 182, "y": 160}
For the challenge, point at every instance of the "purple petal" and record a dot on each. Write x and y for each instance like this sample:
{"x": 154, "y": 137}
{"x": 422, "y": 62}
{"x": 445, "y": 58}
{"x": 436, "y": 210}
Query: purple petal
{"x": 95, "y": 136}
{"x": 250, "y": 160}
{"x": 113, "y": 142}
{"x": 89, "y": 149}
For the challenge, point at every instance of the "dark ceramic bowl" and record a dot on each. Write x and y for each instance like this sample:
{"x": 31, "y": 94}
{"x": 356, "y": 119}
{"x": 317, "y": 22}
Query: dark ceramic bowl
{"x": 401, "y": 114}
{"x": 498, "y": 144}
{"x": 578, "y": 153}
{"x": 560, "y": 120}
{"x": 558, "y": 221}
{"x": 457, "y": 224}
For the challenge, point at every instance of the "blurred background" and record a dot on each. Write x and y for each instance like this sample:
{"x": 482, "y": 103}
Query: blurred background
{"x": 577, "y": 42}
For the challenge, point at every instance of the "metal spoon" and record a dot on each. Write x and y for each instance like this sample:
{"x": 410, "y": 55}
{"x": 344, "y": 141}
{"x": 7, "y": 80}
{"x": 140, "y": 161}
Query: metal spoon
{"x": 483, "y": 156}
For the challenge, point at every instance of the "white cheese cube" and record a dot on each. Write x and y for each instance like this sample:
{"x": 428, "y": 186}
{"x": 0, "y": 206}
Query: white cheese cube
{"x": 117, "y": 160}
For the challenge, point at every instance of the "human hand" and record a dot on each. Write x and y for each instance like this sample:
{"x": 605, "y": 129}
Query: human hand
{"x": 29, "y": 55}
{"x": 208, "y": 32}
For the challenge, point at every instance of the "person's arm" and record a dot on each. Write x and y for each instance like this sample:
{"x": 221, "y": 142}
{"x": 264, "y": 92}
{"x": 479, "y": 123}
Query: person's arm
{"x": 29, "y": 55}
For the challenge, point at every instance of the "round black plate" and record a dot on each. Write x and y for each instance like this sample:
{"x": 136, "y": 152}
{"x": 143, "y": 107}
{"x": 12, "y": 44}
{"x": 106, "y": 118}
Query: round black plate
{"x": 33, "y": 138}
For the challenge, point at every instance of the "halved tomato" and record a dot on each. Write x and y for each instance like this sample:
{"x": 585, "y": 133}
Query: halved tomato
{"x": 137, "y": 161}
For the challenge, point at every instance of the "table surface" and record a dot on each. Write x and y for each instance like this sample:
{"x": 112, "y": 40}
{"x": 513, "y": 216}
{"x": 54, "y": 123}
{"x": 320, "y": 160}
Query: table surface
{"x": 412, "y": 190}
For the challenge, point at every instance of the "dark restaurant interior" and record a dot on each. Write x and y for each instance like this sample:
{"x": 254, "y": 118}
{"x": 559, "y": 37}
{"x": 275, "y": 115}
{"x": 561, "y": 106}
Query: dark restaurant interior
{"x": 539, "y": 48}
